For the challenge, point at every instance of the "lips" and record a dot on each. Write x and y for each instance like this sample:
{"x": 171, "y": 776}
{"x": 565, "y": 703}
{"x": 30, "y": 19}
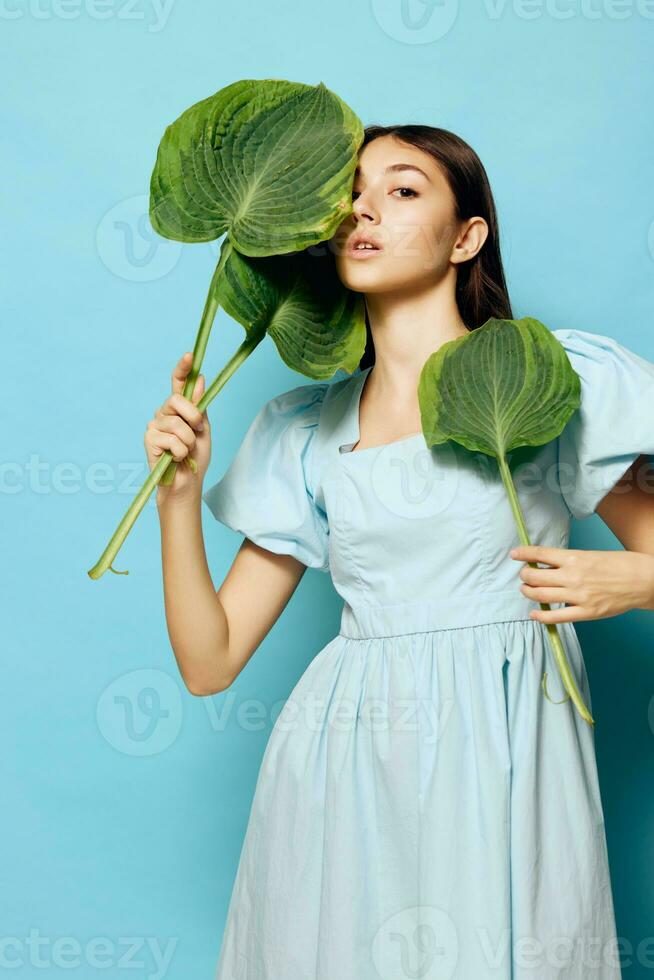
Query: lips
{"x": 363, "y": 240}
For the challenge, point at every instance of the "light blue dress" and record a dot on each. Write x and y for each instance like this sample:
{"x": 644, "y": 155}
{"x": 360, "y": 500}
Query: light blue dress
{"x": 422, "y": 810}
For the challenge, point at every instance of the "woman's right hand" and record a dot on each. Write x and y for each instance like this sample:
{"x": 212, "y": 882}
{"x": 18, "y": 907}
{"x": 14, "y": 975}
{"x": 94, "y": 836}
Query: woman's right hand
{"x": 178, "y": 427}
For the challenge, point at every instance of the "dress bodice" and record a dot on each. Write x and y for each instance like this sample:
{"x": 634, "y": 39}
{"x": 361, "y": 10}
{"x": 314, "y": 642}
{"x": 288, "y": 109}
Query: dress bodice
{"x": 426, "y": 528}
{"x": 421, "y": 536}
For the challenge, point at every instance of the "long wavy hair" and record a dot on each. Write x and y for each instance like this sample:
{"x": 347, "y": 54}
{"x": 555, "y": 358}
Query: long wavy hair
{"x": 481, "y": 290}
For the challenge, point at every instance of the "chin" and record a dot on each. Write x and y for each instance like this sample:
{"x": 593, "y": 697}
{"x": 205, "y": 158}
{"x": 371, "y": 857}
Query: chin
{"x": 359, "y": 279}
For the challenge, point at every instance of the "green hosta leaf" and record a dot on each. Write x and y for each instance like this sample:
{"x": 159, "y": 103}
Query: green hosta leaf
{"x": 506, "y": 384}
{"x": 269, "y": 161}
{"x": 317, "y": 325}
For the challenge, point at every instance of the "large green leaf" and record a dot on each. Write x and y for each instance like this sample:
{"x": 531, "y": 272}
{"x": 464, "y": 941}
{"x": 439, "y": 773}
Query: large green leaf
{"x": 509, "y": 383}
{"x": 317, "y": 325}
{"x": 269, "y": 161}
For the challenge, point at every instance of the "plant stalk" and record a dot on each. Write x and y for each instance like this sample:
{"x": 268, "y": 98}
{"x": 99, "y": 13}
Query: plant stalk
{"x": 206, "y": 322}
{"x": 160, "y": 467}
{"x": 560, "y": 655}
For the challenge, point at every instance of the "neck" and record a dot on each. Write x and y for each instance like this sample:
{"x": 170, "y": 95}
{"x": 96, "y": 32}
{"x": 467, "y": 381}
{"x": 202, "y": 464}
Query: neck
{"x": 406, "y": 329}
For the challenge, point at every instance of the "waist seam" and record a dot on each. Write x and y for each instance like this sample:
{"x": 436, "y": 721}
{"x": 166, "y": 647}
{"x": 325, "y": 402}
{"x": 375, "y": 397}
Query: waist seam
{"x": 363, "y": 621}
{"x": 438, "y": 629}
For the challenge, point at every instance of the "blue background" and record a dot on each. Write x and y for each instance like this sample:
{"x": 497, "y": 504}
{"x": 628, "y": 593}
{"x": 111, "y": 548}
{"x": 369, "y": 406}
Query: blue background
{"x": 126, "y": 799}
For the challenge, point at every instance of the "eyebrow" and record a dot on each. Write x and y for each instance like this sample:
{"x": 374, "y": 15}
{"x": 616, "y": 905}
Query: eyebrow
{"x": 395, "y": 168}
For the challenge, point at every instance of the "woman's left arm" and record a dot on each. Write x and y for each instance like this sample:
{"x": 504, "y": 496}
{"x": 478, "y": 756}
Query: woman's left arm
{"x": 598, "y": 584}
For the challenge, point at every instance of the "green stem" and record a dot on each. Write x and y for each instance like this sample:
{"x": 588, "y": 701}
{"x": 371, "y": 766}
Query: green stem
{"x": 206, "y": 322}
{"x": 560, "y": 655}
{"x": 160, "y": 467}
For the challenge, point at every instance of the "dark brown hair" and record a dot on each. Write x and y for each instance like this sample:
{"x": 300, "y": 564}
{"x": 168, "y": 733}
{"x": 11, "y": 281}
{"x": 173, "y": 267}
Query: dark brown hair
{"x": 481, "y": 290}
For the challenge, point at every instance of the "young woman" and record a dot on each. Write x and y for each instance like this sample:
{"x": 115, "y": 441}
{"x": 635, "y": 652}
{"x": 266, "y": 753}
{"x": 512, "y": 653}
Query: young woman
{"x": 422, "y": 809}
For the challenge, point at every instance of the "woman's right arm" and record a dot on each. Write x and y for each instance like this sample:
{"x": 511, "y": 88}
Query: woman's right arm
{"x": 213, "y": 633}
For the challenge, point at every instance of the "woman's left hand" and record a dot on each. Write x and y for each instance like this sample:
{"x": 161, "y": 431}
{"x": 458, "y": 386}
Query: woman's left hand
{"x": 593, "y": 584}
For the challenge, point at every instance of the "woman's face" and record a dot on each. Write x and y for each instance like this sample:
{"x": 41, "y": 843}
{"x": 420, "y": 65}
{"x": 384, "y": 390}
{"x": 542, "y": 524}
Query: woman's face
{"x": 407, "y": 213}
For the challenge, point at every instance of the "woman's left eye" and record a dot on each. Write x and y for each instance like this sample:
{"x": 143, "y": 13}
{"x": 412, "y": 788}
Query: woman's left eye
{"x": 412, "y": 193}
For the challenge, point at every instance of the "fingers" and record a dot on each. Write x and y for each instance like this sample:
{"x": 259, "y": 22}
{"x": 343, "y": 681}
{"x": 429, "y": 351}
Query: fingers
{"x": 177, "y": 425}
{"x": 543, "y": 576}
{"x": 566, "y": 614}
{"x": 198, "y": 390}
{"x": 160, "y": 441}
{"x": 533, "y": 552}
{"x": 177, "y": 404}
{"x": 541, "y": 594}
{"x": 174, "y": 425}
{"x": 181, "y": 371}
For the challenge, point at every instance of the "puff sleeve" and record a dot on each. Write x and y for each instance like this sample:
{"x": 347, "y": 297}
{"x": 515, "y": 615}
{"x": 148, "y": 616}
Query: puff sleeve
{"x": 614, "y": 423}
{"x": 266, "y": 493}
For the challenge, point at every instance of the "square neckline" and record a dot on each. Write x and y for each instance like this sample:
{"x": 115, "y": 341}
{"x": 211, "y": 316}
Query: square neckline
{"x": 356, "y": 421}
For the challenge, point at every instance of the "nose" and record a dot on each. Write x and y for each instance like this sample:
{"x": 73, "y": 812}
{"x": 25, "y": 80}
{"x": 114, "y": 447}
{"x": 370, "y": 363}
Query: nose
{"x": 363, "y": 209}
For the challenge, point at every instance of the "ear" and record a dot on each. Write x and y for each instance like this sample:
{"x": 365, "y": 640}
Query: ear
{"x": 472, "y": 236}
